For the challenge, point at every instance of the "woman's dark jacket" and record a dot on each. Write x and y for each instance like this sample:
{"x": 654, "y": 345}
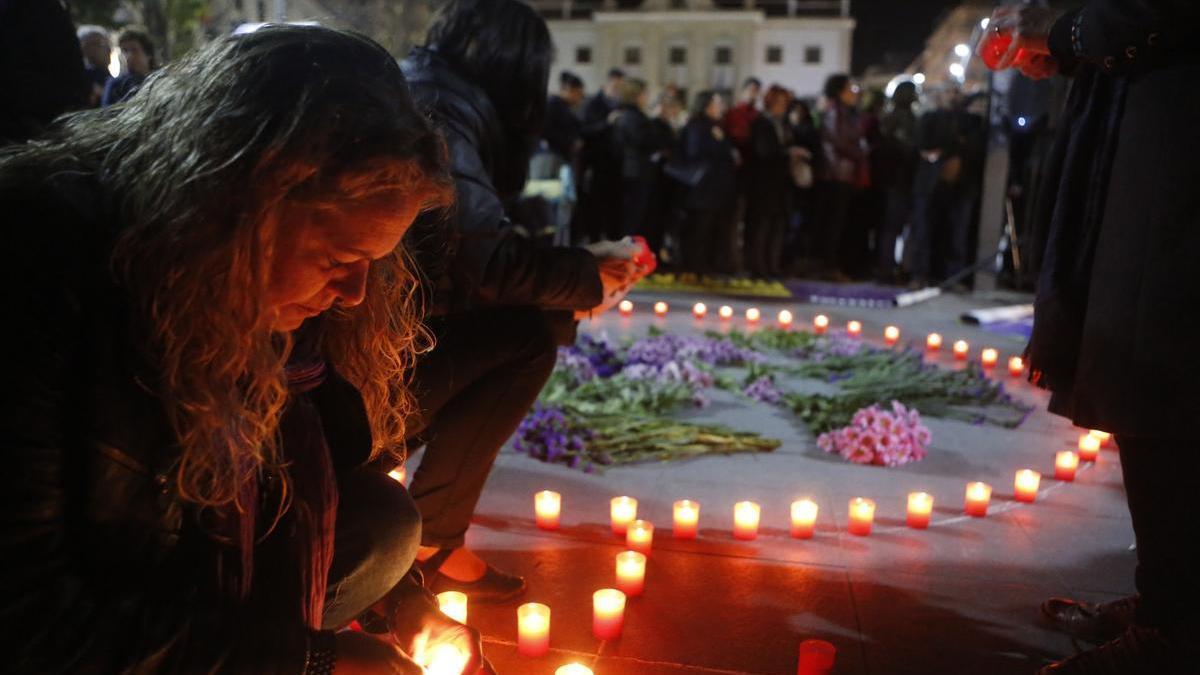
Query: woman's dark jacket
{"x": 103, "y": 568}
{"x": 634, "y": 137}
{"x": 1115, "y": 325}
{"x": 490, "y": 263}
{"x": 703, "y": 141}
{"x": 769, "y": 191}
{"x": 844, "y": 153}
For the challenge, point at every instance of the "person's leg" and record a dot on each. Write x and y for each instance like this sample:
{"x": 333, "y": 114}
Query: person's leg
{"x": 755, "y": 240}
{"x": 835, "y": 225}
{"x": 473, "y": 390}
{"x": 378, "y": 531}
{"x": 920, "y": 239}
{"x": 896, "y": 213}
{"x": 697, "y": 235}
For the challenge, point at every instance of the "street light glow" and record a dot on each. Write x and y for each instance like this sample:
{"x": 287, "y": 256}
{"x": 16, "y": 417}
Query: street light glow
{"x": 962, "y": 50}
{"x": 957, "y": 70}
{"x": 984, "y": 24}
{"x": 918, "y": 78}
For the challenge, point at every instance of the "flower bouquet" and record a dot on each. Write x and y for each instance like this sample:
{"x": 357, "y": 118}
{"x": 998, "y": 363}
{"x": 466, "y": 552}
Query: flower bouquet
{"x": 879, "y": 437}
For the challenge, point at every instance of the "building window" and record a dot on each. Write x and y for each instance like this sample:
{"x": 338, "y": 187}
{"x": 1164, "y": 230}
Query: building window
{"x": 774, "y": 55}
{"x": 678, "y": 4}
{"x": 633, "y": 56}
{"x": 583, "y": 55}
{"x": 677, "y": 56}
{"x": 812, "y": 55}
{"x": 723, "y": 56}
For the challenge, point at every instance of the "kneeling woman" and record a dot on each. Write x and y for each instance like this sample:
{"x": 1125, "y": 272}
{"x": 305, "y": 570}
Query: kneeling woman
{"x": 201, "y": 281}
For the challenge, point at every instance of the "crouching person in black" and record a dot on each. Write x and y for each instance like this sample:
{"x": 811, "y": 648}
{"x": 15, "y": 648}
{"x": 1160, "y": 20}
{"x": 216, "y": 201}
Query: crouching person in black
{"x": 208, "y": 316}
{"x": 501, "y": 304}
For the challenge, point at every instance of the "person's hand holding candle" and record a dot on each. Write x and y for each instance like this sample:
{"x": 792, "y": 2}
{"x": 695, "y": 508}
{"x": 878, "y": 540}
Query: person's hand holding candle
{"x": 1017, "y": 37}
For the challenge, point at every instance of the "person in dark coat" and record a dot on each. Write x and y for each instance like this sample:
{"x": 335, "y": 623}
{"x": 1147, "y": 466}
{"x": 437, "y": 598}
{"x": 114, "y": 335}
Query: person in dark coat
{"x": 137, "y": 51}
{"x": 599, "y": 214}
{"x": 196, "y": 392}
{"x": 1114, "y": 328}
{"x": 97, "y": 48}
{"x": 843, "y": 167}
{"x": 802, "y": 226}
{"x": 942, "y": 147}
{"x": 660, "y": 211}
{"x": 563, "y": 127}
{"x": 634, "y": 139}
{"x": 769, "y": 191}
{"x": 894, "y": 169}
{"x": 501, "y": 304}
{"x": 709, "y": 201}
{"x": 41, "y": 67}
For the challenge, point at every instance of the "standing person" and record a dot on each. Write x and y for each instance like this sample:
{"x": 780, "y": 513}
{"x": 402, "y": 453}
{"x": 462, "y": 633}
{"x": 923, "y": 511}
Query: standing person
{"x": 939, "y": 172}
{"x": 710, "y": 199}
{"x": 599, "y": 212}
{"x": 769, "y": 188}
{"x": 41, "y": 68}
{"x": 202, "y": 381}
{"x": 806, "y": 164}
{"x": 633, "y": 138}
{"x": 137, "y": 50}
{"x": 844, "y": 165}
{"x": 563, "y": 127}
{"x": 895, "y": 169}
{"x": 737, "y": 124}
{"x": 1118, "y": 239}
{"x": 501, "y": 304}
{"x": 660, "y": 218}
{"x": 97, "y": 52}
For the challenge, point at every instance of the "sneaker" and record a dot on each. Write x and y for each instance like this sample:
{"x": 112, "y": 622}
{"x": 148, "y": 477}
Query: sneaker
{"x": 1139, "y": 651}
{"x": 1095, "y": 622}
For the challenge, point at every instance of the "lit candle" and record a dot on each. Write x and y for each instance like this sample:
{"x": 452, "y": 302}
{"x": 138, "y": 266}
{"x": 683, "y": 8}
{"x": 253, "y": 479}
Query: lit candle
{"x": 533, "y": 629}
{"x": 961, "y": 349}
{"x": 608, "y": 613}
{"x": 989, "y": 357}
{"x": 454, "y": 605}
{"x": 862, "y": 514}
{"x": 784, "y": 317}
{"x": 726, "y": 312}
{"x": 816, "y": 658}
{"x": 1089, "y": 448}
{"x": 820, "y": 324}
{"x": 573, "y": 669}
{"x": 804, "y": 518}
{"x": 978, "y": 496}
{"x": 631, "y": 573}
{"x": 854, "y": 328}
{"x": 934, "y": 342}
{"x": 1025, "y": 485}
{"x": 624, "y": 512}
{"x": 699, "y": 310}
{"x": 1016, "y": 366}
{"x": 745, "y": 520}
{"x": 446, "y": 659}
{"x": 1103, "y": 436}
{"x": 753, "y": 315}
{"x": 1065, "y": 464}
{"x": 891, "y": 335}
{"x": 640, "y": 536}
{"x": 625, "y": 307}
{"x": 660, "y": 308}
{"x": 687, "y": 519}
{"x": 920, "y": 510}
{"x": 398, "y": 474}
{"x": 547, "y": 505}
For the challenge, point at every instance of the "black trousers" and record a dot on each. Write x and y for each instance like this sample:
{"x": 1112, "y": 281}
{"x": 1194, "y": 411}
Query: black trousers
{"x": 1162, "y": 479}
{"x": 837, "y": 198}
{"x": 375, "y": 544}
{"x": 472, "y": 391}
{"x": 764, "y": 242}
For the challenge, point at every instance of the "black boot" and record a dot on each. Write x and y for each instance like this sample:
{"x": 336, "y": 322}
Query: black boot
{"x": 493, "y": 586}
{"x": 1139, "y": 651}
{"x": 1091, "y": 621}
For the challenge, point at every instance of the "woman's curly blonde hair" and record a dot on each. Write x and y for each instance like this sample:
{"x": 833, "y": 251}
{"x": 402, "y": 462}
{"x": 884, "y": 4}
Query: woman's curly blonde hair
{"x": 206, "y": 162}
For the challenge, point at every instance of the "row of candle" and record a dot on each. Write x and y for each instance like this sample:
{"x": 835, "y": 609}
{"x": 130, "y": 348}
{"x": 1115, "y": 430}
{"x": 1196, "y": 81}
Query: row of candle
{"x": 989, "y": 357}
{"x": 639, "y": 534}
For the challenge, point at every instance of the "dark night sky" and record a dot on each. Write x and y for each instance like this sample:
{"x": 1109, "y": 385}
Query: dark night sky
{"x": 893, "y": 32}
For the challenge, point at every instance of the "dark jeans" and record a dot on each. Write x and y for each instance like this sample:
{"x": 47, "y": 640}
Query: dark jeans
{"x": 948, "y": 210}
{"x": 899, "y": 206}
{"x": 835, "y": 218}
{"x": 472, "y": 391}
{"x": 764, "y": 242}
{"x": 708, "y": 239}
{"x": 375, "y": 544}
{"x": 1162, "y": 479}
{"x": 635, "y": 200}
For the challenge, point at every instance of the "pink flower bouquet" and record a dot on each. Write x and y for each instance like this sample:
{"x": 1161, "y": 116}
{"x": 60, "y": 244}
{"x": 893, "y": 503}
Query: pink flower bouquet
{"x": 880, "y": 437}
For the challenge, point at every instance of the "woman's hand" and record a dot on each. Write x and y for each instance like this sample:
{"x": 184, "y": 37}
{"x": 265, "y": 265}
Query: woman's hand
{"x": 426, "y": 632}
{"x": 361, "y": 654}
{"x": 618, "y": 272}
{"x": 1022, "y": 33}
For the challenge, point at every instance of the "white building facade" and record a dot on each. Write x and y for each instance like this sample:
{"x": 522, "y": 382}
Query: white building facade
{"x": 697, "y": 44}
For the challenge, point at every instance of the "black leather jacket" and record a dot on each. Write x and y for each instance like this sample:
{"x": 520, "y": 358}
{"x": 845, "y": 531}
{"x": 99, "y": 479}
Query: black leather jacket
{"x": 489, "y": 264}
{"x": 103, "y": 568}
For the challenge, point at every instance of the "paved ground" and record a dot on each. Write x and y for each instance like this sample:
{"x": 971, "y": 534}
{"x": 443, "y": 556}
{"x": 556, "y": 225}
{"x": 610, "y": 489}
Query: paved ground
{"x": 961, "y": 597}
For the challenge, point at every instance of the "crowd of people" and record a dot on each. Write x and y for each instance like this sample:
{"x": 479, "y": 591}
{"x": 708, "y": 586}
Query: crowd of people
{"x": 240, "y": 292}
{"x": 772, "y": 186}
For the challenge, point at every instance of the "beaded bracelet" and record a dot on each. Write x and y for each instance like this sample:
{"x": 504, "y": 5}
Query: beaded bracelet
{"x": 322, "y": 654}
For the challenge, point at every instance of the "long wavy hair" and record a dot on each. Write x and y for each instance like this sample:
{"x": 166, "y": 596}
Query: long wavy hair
{"x": 212, "y": 158}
